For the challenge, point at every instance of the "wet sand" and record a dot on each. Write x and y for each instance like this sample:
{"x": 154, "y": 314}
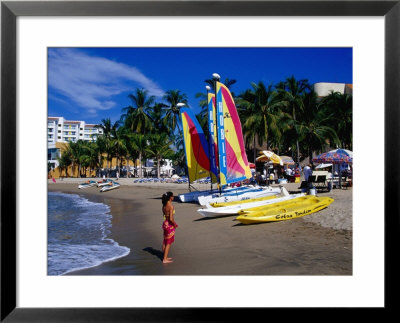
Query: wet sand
{"x": 316, "y": 244}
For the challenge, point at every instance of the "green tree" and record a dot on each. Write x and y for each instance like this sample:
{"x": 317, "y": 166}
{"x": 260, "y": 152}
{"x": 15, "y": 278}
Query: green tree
{"x": 156, "y": 114}
{"x": 135, "y": 116}
{"x": 261, "y": 114}
{"x": 120, "y": 144}
{"x": 341, "y": 107}
{"x": 172, "y": 117}
{"x": 79, "y": 155}
{"x": 105, "y": 141}
{"x": 139, "y": 145}
{"x": 64, "y": 161}
{"x": 159, "y": 147}
{"x": 314, "y": 125}
{"x": 291, "y": 91}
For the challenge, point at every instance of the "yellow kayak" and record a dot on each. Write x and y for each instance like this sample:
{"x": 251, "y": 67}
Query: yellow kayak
{"x": 288, "y": 210}
{"x": 264, "y": 198}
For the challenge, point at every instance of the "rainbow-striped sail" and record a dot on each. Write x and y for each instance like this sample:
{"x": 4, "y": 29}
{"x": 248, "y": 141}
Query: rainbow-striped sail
{"x": 196, "y": 146}
{"x": 212, "y": 127}
{"x": 233, "y": 164}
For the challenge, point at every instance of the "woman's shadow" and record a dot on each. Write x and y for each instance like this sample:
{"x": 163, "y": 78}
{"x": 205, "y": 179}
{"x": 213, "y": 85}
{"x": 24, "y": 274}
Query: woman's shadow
{"x": 154, "y": 252}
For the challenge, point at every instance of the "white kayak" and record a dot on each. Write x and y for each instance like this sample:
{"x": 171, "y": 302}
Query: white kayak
{"x": 194, "y": 196}
{"x": 212, "y": 212}
{"x": 87, "y": 184}
{"x": 110, "y": 186}
{"x": 239, "y": 195}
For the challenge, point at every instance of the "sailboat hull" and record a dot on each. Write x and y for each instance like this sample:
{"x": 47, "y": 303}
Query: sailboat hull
{"x": 239, "y": 195}
{"x": 193, "y": 196}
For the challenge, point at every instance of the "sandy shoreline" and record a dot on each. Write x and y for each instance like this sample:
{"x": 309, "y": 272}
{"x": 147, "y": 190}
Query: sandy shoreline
{"x": 317, "y": 244}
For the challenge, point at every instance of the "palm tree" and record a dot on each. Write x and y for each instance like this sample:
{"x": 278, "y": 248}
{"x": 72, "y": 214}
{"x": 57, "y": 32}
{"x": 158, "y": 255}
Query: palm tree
{"x": 171, "y": 118}
{"x": 314, "y": 125}
{"x": 261, "y": 114}
{"x": 156, "y": 115}
{"x": 78, "y": 151}
{"x": 64, "y": 161}
{"x": 101, "y": 149}
{"x": 341, "y": 106}
{"x": 93, "y": 154}
{"x": 291, "y": 91}
{"x": 105, "y": 141}
{"x": 135, "y": 117}
{"x": 106, "y": 126}
{"x": 228, "y": 82}
{"x": 160, "y": 147}
{"x": 119, "y": 144}
{"x": 139, "y": 145}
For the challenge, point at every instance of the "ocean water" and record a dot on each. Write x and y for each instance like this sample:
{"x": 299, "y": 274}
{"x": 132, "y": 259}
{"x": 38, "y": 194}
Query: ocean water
{"x": 78, "y": 232}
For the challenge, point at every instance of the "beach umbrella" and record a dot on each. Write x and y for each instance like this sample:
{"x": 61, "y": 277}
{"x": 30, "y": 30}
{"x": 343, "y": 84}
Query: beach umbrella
{"x": 337, "y": 156}
{"x": 267, "y": 156}
{"x": 346, "y": 151}
{"x": 286, "y": 160}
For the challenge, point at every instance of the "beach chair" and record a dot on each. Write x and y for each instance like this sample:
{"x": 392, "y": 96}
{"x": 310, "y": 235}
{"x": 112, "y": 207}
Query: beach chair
{"x": 320, "y": 182}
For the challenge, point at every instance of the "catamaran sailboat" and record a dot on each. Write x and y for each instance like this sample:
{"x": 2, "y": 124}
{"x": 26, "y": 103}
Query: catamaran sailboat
{"x": 223, "y": 156}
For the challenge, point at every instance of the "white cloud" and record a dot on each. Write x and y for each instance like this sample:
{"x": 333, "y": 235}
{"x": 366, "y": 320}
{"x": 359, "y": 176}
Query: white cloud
{"x": 91, "y": 81}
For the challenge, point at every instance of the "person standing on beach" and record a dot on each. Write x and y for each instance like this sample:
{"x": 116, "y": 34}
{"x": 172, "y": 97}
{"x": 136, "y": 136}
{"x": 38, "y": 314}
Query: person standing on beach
{"x": 307, "y": 172}
{"x": 169, "y": 225}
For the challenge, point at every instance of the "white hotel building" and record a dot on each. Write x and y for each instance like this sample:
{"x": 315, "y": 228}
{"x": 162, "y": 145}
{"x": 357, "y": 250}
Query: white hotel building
{"x": 324, "y": 88}
{"x": 61, "y": 131}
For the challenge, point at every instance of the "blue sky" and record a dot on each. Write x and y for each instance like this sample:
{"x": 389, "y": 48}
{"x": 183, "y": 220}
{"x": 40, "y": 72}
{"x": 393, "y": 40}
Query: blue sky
{"x": 91, "y": 84}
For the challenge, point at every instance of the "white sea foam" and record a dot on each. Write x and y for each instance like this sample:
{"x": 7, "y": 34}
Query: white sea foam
{"x": 77, "y": 234}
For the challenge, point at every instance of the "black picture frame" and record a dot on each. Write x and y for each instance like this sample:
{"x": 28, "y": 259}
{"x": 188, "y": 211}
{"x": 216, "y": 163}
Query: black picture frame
{"x": 10, "y": 10}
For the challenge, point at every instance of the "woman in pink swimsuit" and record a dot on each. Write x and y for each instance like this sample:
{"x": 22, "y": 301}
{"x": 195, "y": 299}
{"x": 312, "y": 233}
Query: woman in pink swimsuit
{"x": 169, "y": 225}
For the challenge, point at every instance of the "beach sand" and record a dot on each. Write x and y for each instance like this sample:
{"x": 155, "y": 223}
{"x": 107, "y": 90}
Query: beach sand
{"x": 316, "y": 244}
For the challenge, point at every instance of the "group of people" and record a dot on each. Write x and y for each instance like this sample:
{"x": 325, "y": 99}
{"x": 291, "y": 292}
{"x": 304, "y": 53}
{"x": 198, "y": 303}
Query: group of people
{"x": 281, "y": 173}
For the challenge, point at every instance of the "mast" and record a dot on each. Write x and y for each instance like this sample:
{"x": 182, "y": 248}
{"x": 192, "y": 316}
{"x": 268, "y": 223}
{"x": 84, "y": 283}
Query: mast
{"x": 209, "y": 135}
{"x": 216, "y": 78}
{"x": 179, "y": 106}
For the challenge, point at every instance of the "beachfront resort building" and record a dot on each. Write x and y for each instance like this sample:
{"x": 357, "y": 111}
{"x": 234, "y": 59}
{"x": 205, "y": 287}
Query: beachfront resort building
{"x": 61, "y": 131}
{"x": 324, "y": 89}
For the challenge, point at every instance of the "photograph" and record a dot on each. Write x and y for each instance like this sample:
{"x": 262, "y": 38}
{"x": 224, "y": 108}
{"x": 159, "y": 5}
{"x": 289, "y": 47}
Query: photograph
{"x": 201, "y": 146}
{"x": 234, "y": 161}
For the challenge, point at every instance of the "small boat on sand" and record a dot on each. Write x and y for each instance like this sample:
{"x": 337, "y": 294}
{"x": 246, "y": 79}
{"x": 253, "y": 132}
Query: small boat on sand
{"x": 103, "y": 182}
{"x": 285, "y": 210}
{"x": 110, "y": 186}
{"x": 87, "y": 184}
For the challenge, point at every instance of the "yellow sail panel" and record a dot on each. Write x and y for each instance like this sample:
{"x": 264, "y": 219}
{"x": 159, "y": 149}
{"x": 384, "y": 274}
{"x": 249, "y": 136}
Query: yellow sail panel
{"x": 196, "y": 146}
{"x": 233, "y": 162}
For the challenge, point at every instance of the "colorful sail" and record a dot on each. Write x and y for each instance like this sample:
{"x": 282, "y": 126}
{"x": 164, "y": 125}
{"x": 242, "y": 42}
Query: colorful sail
{"x": 233, "y": 164}
{"x": 196, "y": 146}
{"x": 212, "y": 127}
